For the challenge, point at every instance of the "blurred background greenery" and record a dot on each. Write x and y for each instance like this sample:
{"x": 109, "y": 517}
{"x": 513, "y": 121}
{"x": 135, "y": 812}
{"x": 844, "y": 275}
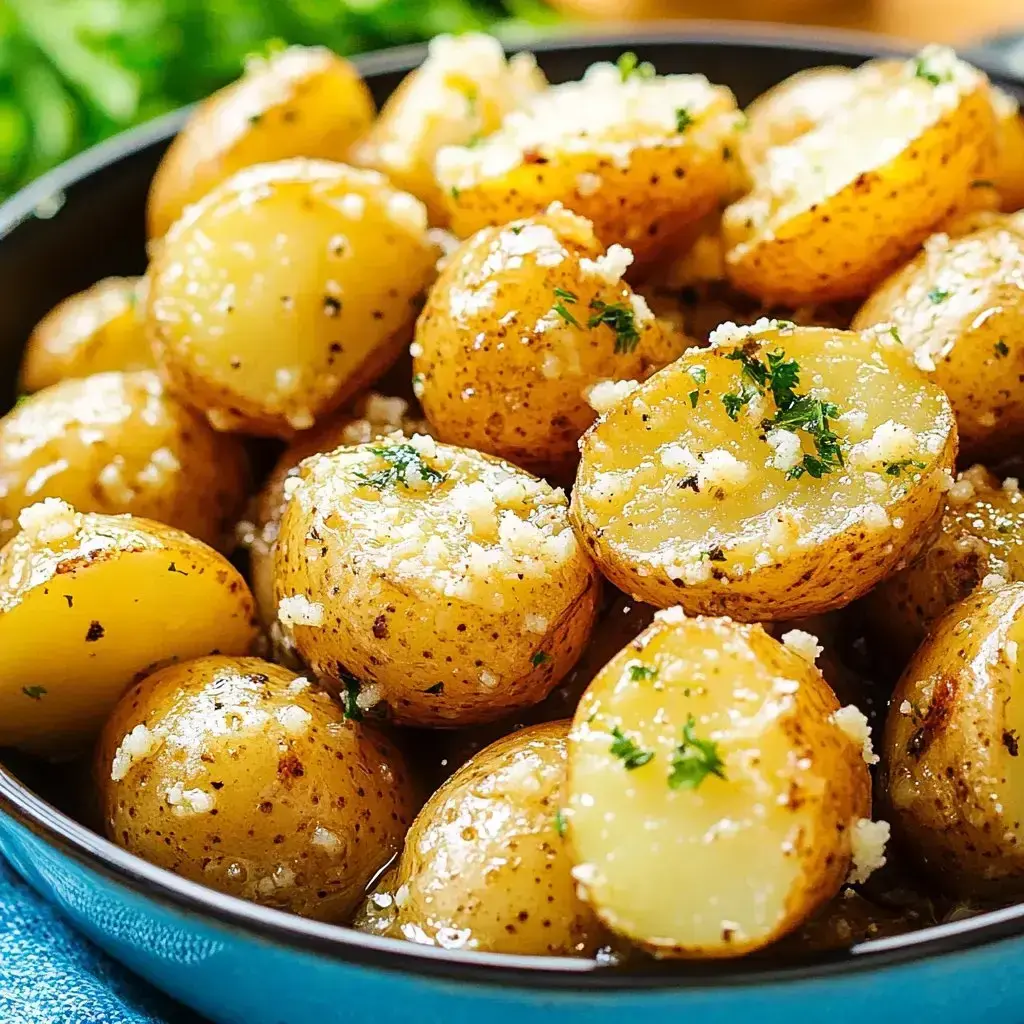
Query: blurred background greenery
{"x": 73, "y": 72}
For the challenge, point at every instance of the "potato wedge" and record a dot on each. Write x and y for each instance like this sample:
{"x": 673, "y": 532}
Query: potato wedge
{"x": 285, "y": 291}
{"x": 447, "y": 581}
{"x": 234, "y": 773}
{"x": 88, "y": 603}
{"x": 784, "y": 471}
{"x": 952, "y": 764}
{"x": 709, "y": 744}
{"x": 303, "y": 101}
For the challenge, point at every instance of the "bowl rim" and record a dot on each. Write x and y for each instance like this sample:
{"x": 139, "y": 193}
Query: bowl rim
{"x": 344, "y": 944}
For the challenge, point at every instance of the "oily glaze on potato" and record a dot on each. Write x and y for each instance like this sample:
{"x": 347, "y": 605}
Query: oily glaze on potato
{"x": 840, "y": 207}
{"x": 286, "y": 290}
{"x": 954, "y": 775}
{"x": 982, "y": 535}
{"x": 485, "y": 865}
{"x": 450, "y": 583}
{"x": 702, "y": 487}
{"x": 115, "y": 443}
{"x": 709, "y": 744}
{"x": 303, "y": 101}
{"x": 88, "y": 603}
{"x": 90, "y": 332}
{"x": 522, "y": 322}
{"x": 458, "y": 95}
{"x": 640, "y": 156}
{"x": 234, "y": 773}
{"x": 959, "y": 306}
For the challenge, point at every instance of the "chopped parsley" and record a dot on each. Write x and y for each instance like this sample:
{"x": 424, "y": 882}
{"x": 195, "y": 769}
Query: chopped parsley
{"x": 694, "y": 395}
{"x": 621, "y": 319}
{"x": 937, "y": 295}
{"x": 516, "y": 229}
{"x": 638, "y": 673}
{"x": 561, "y": 825}
{"x": 897, "y": 467}
{"x": 455, "y": 191}
{"x": 35, "y": 692}
{"x": 923, "y": 69}
{"x": 403, "y": 459}
{"x": 683, "y": 119}
{"x": 698, "y": 373}
{"x": 694, "y": 760}
{"x": 350, "y": 703}
{"x": 559, "y": 307}
{"x": 629, "y": 64}
{"x": 541, "y": 658}
{"x": 1001, "y": 348}
{"x": 631, "y": 755}
{"x": 895, "y": 334}
{"x": 735, "y": 401}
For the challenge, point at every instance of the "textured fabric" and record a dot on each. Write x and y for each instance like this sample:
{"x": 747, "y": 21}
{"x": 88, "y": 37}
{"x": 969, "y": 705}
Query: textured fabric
{"x": 49, "y": 974}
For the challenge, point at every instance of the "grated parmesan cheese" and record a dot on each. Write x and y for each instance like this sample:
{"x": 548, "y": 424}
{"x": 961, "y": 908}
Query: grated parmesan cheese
{"x": 298, "y": 610}
{"x": 139, "y": 744}
{"x": 867, "y": 848}
{"x": 803, "y": 643}
{"x": 606, "y": 394}
{"x": 854, "y": 723}
{"x": 787, "y": 448}
{"x": 185, "y": 802}
{"x": 294, "y": 719}
{"x": 890, "y": 442}
{"x": 49, "y": 521}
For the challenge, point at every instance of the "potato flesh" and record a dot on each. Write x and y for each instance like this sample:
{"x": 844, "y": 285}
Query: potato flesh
{"x": 760, "y": 849}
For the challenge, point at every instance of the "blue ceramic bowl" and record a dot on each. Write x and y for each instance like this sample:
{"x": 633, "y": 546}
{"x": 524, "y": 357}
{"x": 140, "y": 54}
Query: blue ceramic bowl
{"x": 236, "y": 962}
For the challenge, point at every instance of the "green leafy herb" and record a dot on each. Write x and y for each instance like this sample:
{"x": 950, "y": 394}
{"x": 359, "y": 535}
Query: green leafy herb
{"x": 455, "y": 191}
{"x": 350, "y": 703}
{"x": 895, "y": 334}
{"x": 1001, "y": 348}
{"x": 694, "y": 395}
{"x": 402, "y": 460}
{"x": 897, "y": 467}
{"x": 683, "y": 119}
{"x": 735, "y": 401}
{"x": 937, "y": 295}
{"x": 626, "y": 749}
{"x": 638, "y": 673}
{"x": 559, "y": 307}
{"x": 923, "y": 69}
{"x": 694, "y": 760}
{"x": 621, "y": 319}
{"x": 629, "y": 64}
{"x": 35, "y": 692}
{"x": 698, "y": 373}
{"x": 561, "y": 825}
{"x": 516, "y": 229}
{"x": 541, "y": 658}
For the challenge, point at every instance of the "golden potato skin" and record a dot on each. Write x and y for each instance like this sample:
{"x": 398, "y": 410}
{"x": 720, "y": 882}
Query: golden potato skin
{"x": 486, "y": 866}
{"x": 116, "y": 443}
{"x": 764, "y": 826}
{"x": 309, "y": 805}
{"x": 303, "y": 101}
{"x": 505, "y": 351}
{"x": 679, "y": 503}
{"x": 93, "y": 331}
{"x": 952, "y": 766}
{"x": 268, "y": 334}
{"x": 1009, "y": 174}
{"x": 88, "y": 604}
{"x": 959, "y": 306}
{"x": 455, "y": 596}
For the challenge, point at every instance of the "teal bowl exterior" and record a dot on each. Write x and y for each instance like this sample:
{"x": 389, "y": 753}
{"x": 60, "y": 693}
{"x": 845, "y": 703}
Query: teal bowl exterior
{"x": 236, "y": 963}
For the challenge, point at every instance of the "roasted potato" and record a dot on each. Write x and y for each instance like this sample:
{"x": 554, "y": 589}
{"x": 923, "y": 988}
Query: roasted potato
{"x": 951, "y": 747}
{"x": 96, "y": 330}
{"x": 285, "y": 291}
{"x": 784, "y": 471}
{"x": 641, "y": 156}
{"x": 458, "y": 95}
{"x": 234, "y": 773}
{"x": 450, "y": 583}
{"x": 1009, "y": 173}
{"x": 485, "y": 865}
{"x": 302, "y": 101}
{"x": 522, "y": 322}
{"x": 709, "y": 744}
{"x": 832, "y": 213}
{"x": 959, "y": 306}
{"x": 88, "y": 603}
{"x": 115, "y": 443}
{"x": 982, "y": 537}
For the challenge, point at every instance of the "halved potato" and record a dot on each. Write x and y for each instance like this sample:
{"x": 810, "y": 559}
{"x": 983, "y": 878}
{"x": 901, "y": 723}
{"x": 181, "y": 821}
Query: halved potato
{"x": 88, "y": 603}
{"x": 709, "y": 745}
{"x": 781, "y": 472}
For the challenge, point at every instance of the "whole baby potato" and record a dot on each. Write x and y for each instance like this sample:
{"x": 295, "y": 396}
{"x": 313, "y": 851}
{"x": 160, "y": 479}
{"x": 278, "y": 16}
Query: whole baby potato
{"x": 88, "y": 604}
{"x": 485, "y": 865}
{"x": 447, "y": 582}
{"x": 285, "y": 291}
{"x": 116, "y": 443}
{"x": 234, "y": 773}
{"x": 90, "y": 332}
{"x": 301, "y": 101}
{"x": 522, "y": 322}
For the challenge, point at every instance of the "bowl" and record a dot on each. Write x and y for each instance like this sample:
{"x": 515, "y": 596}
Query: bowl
{"x": 233, "y": 961}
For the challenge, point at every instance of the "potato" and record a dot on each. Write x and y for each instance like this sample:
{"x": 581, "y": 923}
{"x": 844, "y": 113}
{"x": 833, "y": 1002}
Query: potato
{"x": 88, "y": 603}
{"x": 982, "y": 536}
{"x": 457, "y": 95}
{"x": 958, "y": 305}
{"x": 115, "y": 443}
{"x": 784, "y": 471}
{"x": 370, "y": 417}
{"x": 1009, "y": 173}
{"x": 302, "y": 101}
{"x": 951, "y": 747}
{"x": 96, "y": 330}
{"x": 485, "y": 865}
{"x": 840, "y": 207}
{"x": 708, "y": 744}
{"x": 642, "y": 157}
{"x": 234, "y": 773}
{"x": 523, "y": 321}
{"x": 285, "y": 291}
{"x": 449, "y": 582}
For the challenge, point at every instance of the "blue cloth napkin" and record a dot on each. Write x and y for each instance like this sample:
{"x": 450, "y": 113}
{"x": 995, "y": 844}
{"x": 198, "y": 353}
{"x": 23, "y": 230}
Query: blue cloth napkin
{"x": 49, "y": 974}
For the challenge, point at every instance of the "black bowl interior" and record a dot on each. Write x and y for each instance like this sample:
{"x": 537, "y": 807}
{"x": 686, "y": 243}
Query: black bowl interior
{"x": 98, "y": 230}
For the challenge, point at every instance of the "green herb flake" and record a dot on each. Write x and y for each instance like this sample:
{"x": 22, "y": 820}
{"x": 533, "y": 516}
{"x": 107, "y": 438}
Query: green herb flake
{"x": 901, "y": 465}
{"x": 638, "y": 673}
{"x": 403, "y": 459}
{"x": 631, "y": 755}
{"x": 21, "y": 400}
{"x": 736, "y": 401}
{"x": 455, "y": 191}
{"x": 516, "y": 229}
{"x": 561, "y": 825}
{"x": 937, "y": 295}
{"x": 683, "y": 119}
{"x": 694, "y": 760}
{"x": 698, "y": 373}
{"x": 350, "y": 703}
{"x": 924, "y": 69}
{"x": 895, "y": 334}
{"x": 629, "y": 64}
{"x": 541, "y": 658}
{"x": 694, "y": 396}
{"x": 35, "y": 692}
{"x": 621, "y": 319}
{"x": 1002, "y": 350}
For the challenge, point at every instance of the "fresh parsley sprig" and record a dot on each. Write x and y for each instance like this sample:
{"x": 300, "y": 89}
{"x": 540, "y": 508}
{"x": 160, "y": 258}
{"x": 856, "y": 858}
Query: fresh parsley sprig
{"x": 619, "y": 316}
{"x": 628, "y": 751}
{"x": 401, "y": 459}
{"x": 694, "y": 760}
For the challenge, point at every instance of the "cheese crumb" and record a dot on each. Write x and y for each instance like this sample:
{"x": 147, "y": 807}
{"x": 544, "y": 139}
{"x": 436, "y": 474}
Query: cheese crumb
{"x": 298, "y": 610}
{"x": 325, "y": 838}
{"x": 139, "y": 744}
{"x": 477, "y": 502}
{"x": 49, "y": 521}
{"x": 671, "y": 616}
{"x": 787, "y": 448}
{"x": 906, "y": 708}
{"x": 186, "y": 802}
{"x": 606, "y": 394}
{"x": 730, "y": 333}
{"x": 855, "y": 724}
{"x": 890, "y": 442}
{"x": 867, "y": 848}
{"x": 611, "y": 266}
{"x": 960, "y": 492}
{"x": 802, "y": 643}
{"x": 1011, "y": 484}
{"x": 535, "y": 623}
{"x": 875, "y": 517}
{"x": 294, "y": 719}
{"x": 993, "y": 580}
{"x": 722, "y": 468}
